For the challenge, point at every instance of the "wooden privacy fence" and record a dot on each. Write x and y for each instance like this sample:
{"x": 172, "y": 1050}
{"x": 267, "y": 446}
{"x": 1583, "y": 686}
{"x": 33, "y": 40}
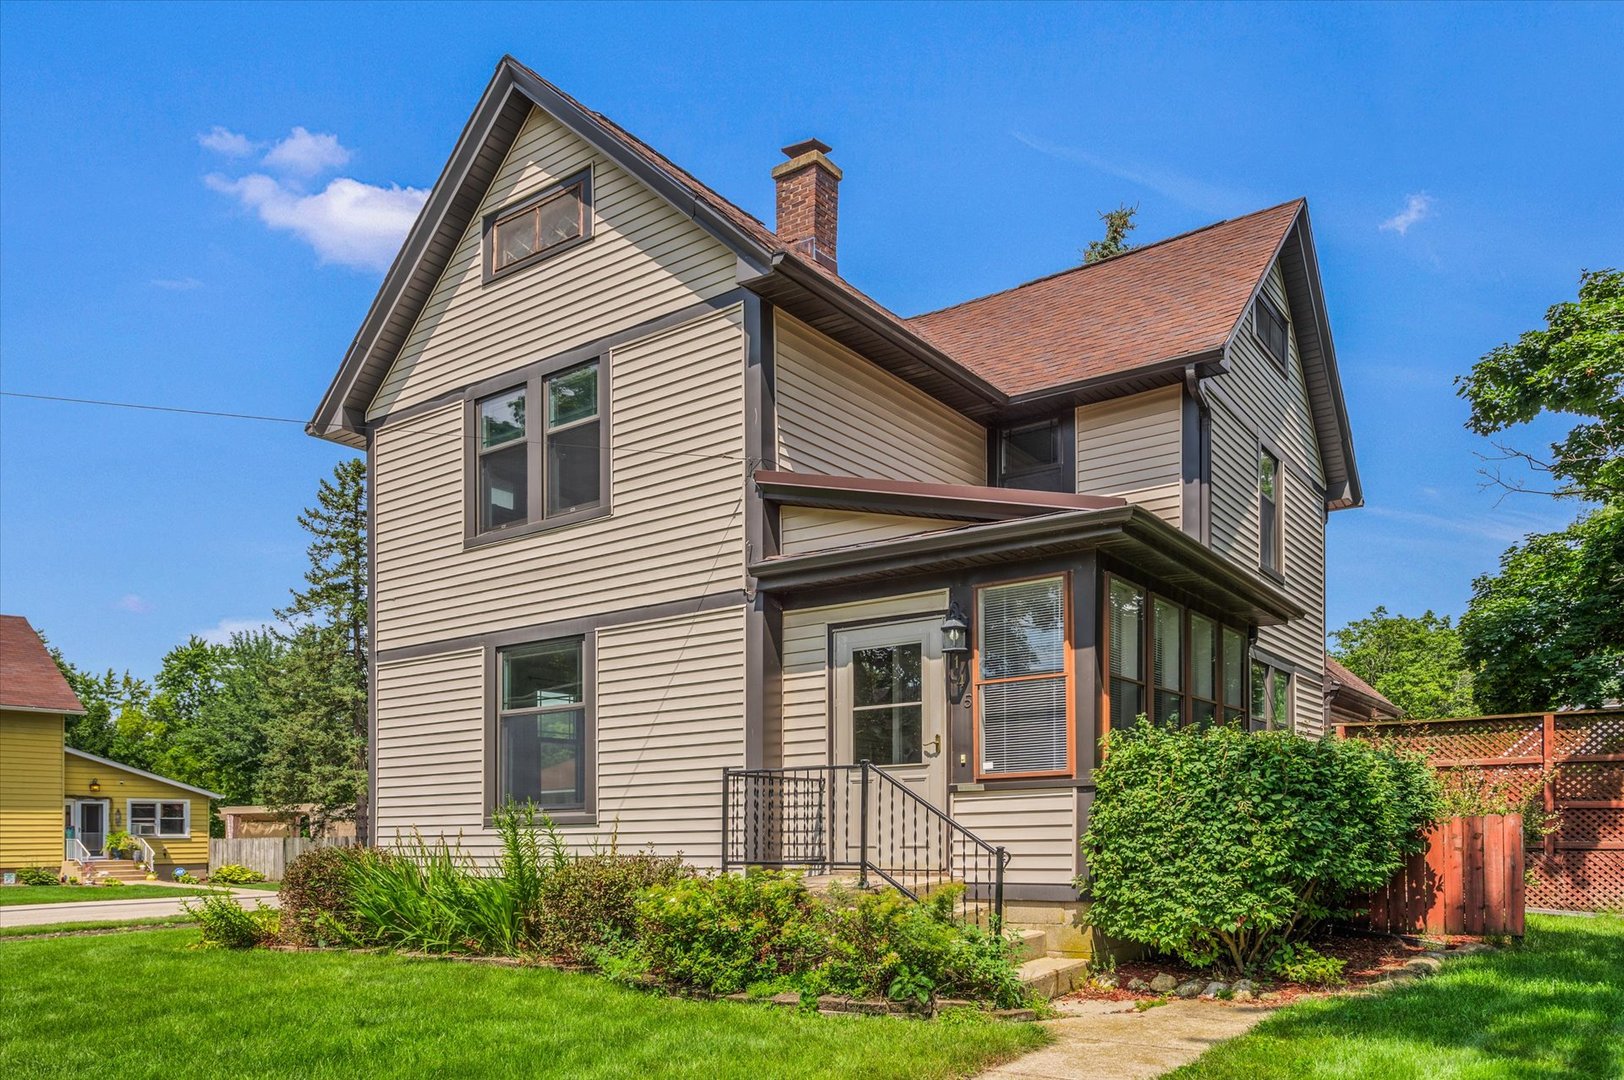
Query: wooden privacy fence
{"x": 1469, "y": 880}
{"x": 1569, "y": 765}
{"x": 270, "y": 855}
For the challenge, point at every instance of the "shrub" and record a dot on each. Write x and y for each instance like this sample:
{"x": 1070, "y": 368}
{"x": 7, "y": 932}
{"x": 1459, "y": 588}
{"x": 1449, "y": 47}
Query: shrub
{"x": 315, "y": 896}
{"x": 1301, "y": 964}
{"x": 430, "y": 897}
{"x": 112, "y": 882}
{"x": 226, "y": 925}
{"x": 234, "y": 874}
{"x": 721, "y": 934}
{"x": 589, "y": 903}
{"x": 1218, "y": 844}
{"x": 38, "y": 875}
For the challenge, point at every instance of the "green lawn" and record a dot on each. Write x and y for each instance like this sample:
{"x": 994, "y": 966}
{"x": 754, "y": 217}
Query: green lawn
{"x": 147, "y": 922}
{"x": 1552, "y": 1007}
{"x": 267, "y": 1014}
{"x": 73, "y": 894}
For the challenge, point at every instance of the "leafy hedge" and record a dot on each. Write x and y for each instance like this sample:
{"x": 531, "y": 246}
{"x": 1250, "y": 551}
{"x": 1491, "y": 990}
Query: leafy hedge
{"x": 1221, "y": 845}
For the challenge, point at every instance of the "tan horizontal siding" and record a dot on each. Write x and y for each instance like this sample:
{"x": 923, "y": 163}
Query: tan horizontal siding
{"x": 676, "y": 531}
{"x": 31, "y": 832}
{"x": 812, "y": 528}
{"x": 645, "y": 258}
{"x": 840, "y": 415}
{"x": 1302, "y": 641}
{"x": 805, "y": 682}
{"x": 1037, "y": 827}
{"x": 670, "y": 715}
{"x": 1133, "y": 447}
{"x": 1274, "y": 402}
{"x": 119, "y": 786}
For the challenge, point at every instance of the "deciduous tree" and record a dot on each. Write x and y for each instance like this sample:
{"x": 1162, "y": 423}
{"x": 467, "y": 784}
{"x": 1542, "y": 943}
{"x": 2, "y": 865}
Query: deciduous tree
{"x": 1416, "y": 663}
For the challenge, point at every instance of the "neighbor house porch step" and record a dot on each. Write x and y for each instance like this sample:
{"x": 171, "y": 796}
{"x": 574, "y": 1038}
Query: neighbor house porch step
{"x": 1053, "y": 976}
{"x": 122, "y": 869}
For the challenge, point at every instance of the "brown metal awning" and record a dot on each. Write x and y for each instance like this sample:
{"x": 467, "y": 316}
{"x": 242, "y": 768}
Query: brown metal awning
{"x": 1130, "y": 533}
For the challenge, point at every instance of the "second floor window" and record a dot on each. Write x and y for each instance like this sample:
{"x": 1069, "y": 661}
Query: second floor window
{"x": 1270, "y": 535}
{"x": 539, "y": 452}
{"x": 1269, "y": 323}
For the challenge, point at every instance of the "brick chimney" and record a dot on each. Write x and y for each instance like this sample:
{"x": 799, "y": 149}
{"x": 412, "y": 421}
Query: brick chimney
{"x": 809, "y": 200}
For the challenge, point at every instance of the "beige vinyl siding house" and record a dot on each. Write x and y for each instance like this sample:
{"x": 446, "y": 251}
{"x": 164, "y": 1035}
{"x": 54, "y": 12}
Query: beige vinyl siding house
{"x": 676, "y": 533}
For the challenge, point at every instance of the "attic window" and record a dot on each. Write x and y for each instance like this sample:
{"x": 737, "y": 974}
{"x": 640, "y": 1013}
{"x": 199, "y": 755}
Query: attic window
{"x": 545, "y": 224}
{"x": 1269, "y": 324}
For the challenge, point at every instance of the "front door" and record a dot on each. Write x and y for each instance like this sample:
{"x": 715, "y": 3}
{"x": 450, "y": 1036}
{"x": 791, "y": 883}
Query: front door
{"x": 891, "y": 703}
{"x": 92, "y": 824}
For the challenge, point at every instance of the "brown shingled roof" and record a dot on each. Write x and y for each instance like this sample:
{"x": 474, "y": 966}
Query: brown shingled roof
{"x": 1177, "y": 298}
{"x": 29, "y": 678}
{"x": 1340, "y": 674}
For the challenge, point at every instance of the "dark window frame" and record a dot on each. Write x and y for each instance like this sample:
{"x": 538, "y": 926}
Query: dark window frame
{"x": 587, "y": 813}
{"x": 1264, "y": 306}
{"x": 1067, "y": 674}
{"x": 503, "y": 214}
{"x": 1271, "y": 539}
{"x": 1058, "y": 475}
{"x": 1273, "y": 671}
{"x": 533, "y": 381}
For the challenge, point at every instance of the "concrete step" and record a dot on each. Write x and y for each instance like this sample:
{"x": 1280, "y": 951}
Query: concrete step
{"x": 1053, "y": 976}
{"x": 1031, "y": 944}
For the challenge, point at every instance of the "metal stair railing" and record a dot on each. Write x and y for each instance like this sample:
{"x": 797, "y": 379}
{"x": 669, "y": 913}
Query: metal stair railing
{"x": 858, "y": 817}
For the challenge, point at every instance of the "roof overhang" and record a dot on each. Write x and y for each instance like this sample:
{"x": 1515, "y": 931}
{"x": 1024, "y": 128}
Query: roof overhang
{"x": 1130, "y": 533}
{"x": 41, "y": 710}
{"x": 954, "y": 502}
{"x": 121, "y": 767}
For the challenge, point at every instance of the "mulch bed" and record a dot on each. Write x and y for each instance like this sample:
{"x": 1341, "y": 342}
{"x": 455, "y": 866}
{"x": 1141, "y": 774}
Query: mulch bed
{"x": 1370, "y": 957}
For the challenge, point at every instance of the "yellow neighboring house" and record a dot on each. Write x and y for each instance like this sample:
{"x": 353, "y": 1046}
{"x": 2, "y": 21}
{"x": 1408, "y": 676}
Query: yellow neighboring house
{"x": 58, "y": 805}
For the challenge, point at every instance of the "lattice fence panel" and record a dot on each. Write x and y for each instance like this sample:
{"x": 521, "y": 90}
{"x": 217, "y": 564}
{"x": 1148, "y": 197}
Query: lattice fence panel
{"x": 1580, "y": 734}
{"x": 1603, "y": 781}
{"x": 1576, "y": 880}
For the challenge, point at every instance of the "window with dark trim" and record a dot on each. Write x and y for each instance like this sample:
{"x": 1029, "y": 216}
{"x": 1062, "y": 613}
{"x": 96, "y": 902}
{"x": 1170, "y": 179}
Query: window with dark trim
{"x": 1271, "y": 698}
{"x": 541, "y": 725}
{"x": 1168, "y": 662}
{"x": 1029, "y": 448}
{"x": 1270, "y": 538}
{"x": 536, "y": 464}
{"x": 1022, "y": 672}
{"x": 542, "y": 225}
{"x": 1126, "y": 634}
{"x": 1233, "y": 665}
{"x": 1204, "y": 676}
{"x": 1269, "y": 324}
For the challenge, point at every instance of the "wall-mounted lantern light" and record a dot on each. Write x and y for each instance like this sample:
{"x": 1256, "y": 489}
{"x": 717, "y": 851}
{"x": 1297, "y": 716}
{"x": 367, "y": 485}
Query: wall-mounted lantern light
{"x": 956, "y": 652}
{"x": 95, "y": 785}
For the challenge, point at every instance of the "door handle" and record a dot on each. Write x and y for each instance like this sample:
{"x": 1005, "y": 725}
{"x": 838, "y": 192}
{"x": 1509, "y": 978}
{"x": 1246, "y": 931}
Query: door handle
{"x": 937, "y": 749}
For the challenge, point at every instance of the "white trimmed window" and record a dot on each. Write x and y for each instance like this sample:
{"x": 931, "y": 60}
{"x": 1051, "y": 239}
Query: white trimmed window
{"x": 160, "y": 817}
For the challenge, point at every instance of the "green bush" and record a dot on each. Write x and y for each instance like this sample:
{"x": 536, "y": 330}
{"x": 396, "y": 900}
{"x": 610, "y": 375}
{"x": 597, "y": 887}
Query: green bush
{"x": 431, "y": 897}
{"x": 721, "y": 934}
{"x": 1220, "y": 845}
{"x": 1301, "y": 964}
{"x": 589, "y": 903}
{"x": 315, "y": 896}
{"x": 234, "y": 874}
{"x": 226, "y": 925}
{"x": 38, "y": 875}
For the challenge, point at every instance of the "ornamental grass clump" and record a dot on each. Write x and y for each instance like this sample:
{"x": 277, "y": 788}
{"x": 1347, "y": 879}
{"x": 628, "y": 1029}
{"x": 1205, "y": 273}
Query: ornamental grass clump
{"x": 1221, "y": 846}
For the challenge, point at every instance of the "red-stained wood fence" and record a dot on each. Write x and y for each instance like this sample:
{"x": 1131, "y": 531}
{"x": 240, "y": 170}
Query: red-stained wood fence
{"x": 1469, "y": 880}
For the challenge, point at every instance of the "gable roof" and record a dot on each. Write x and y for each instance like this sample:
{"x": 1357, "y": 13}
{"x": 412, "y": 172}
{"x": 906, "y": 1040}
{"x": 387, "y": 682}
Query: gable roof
{"x": 1339, "y": 679}
{"x": 1178, "y": 299}
{"x": 29, "y": 678}
{"x": 1075, "y": 336}
{"x": 111, "y": 764}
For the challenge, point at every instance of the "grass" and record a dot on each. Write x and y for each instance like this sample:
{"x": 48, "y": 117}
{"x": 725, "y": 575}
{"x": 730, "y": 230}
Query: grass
{"x": 314, "y": 1016}
{"x": 149, "y": 923}
{"x": 1550, "y": 1007}
{"x": 73, "y": 894}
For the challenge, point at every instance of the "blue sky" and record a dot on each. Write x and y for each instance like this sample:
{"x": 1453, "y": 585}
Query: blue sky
{"x": 1462, "y": 165}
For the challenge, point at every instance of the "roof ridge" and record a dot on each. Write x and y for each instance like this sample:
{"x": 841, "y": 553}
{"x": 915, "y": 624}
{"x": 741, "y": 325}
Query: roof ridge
{"x": 1112, "y": 258}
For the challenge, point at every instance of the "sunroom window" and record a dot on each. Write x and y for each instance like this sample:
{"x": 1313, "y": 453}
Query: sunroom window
{"x": 1023, "y": 684}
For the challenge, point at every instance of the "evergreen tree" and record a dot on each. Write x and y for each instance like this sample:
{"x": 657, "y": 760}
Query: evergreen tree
{"x": 1118, "y": 224}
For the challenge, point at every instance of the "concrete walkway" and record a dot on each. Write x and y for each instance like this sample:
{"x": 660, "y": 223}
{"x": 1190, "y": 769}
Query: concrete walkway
{"x": 111, "y": 910}
{"x": 1110, "y": 1039}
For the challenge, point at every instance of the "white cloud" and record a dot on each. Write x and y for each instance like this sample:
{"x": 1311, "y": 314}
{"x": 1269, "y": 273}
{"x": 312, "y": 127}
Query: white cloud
{"x": 306, "y": 154}
{"x": 1194, "y": 193}
{"x": 132, "y": 603}
{"x": 225, "y": 141}
{"x": 182, "y": 284}
{"x": 348, "y": 222}
{"x": 1417, "y": 207}
{"x": 220, "y": 633}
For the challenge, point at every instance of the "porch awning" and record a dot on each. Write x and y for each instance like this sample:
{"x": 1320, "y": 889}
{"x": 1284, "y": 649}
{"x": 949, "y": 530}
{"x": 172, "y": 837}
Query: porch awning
{"x": 1131, "y": 533}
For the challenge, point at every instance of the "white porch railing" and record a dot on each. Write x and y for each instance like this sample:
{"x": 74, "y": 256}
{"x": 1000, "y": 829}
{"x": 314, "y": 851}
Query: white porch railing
{"x": 77, "y": 852}
{"x": 148, "y": 858}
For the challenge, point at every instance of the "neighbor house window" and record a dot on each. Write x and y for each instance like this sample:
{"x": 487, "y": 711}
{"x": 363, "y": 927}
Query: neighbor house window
{"x": 1270, "y": 537}
{"x": 1271, "y": 697}
{"x": 535, "y": 464}
{"x": 1269, "y": 323}
{"x": 160, "y": 818}
{"x": 543, "y": 225}
{"x": 1023, "y": 679}
{"x": 542, "y": 725}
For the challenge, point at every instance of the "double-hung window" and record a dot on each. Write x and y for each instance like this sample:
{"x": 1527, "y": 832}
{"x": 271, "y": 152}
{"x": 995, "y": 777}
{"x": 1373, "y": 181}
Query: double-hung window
{"x": 160, "y": 818}
{"x": 1023, "y": 679}
{"x": 1271, "y": 698}
{"x": 537, "y": 464}
{"x": 1269, "y": 324}
{"x": 541, "y": 725}
{"x": 1270, "y": 531}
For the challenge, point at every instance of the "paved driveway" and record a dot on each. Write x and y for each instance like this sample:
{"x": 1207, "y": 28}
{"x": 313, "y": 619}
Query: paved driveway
{"x": 109, "y": 910}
